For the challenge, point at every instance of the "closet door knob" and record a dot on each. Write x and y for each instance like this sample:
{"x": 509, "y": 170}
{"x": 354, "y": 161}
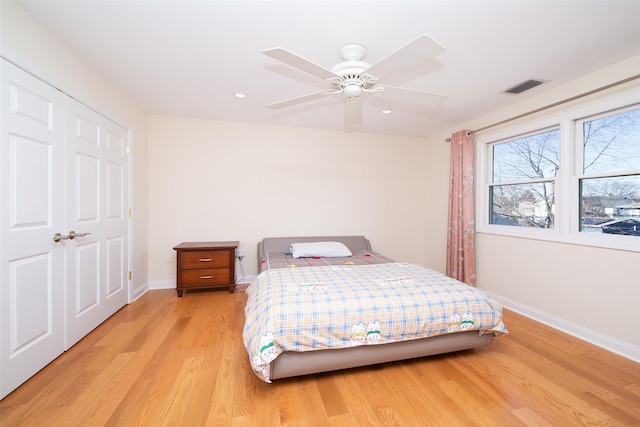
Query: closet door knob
{"x": 73, "y": 234}
{"x": 57, "y": 237}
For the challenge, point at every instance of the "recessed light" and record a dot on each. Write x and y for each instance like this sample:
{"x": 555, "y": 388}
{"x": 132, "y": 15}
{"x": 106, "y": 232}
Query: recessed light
{"x": 240, "y": 95}
{"x": 385, "y": 111}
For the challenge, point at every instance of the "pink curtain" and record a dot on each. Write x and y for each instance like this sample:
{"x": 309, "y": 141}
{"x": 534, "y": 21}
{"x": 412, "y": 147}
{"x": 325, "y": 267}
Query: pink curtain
{"x": 461, "y": 255}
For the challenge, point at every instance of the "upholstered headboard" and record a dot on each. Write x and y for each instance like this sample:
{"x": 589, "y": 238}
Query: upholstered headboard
{"x": 282, "y": 244}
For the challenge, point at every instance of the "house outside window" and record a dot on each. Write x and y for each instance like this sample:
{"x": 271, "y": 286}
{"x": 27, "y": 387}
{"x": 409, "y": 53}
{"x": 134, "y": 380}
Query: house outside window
{"x": 609, "y": 182}
{"x": 570, "y": 174}
{"x": 522, "y": 188}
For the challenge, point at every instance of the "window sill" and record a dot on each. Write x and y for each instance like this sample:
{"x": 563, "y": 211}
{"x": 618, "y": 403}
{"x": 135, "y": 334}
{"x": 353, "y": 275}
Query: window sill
{"x": 621, "y": 243}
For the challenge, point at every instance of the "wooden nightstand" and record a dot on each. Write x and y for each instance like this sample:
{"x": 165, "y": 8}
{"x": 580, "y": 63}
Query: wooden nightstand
{"x": 204, "y": 265}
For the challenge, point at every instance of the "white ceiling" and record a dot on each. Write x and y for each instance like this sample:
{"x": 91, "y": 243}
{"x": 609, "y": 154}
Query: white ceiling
{"x": 188, "y": 58}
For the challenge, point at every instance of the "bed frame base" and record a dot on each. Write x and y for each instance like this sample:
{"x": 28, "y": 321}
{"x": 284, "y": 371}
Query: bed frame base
{"x": 291, "y": 364}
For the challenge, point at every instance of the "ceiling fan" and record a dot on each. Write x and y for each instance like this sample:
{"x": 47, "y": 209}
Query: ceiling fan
{"x": 355, "y": 79}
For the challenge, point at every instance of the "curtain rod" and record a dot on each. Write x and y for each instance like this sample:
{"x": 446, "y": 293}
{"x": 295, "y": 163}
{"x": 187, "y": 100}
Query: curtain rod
{"x": 555, "y": 104}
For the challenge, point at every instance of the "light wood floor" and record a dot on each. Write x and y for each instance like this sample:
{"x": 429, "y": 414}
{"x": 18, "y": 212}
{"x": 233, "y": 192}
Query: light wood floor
{"x": 174, "y": 361}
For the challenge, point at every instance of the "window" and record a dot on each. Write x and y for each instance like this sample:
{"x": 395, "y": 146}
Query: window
{"x": 570, "y": 175}
{"x": 523, "y": 180}
{"x": 609, "y": 185}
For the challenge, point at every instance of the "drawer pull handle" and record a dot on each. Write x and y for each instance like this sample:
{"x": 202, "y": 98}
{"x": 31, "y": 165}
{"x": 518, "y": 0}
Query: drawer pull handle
{"x": 206, "y": 277}
{"x": 205, "y": 259}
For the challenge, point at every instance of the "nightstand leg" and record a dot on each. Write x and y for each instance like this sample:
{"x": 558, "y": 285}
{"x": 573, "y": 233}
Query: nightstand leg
{"x": 180, "y": 292}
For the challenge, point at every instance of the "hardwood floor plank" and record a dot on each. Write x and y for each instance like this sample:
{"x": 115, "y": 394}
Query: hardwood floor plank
{"x": 377, "y": 396}
{"x": 343, "y": 420}
{"x": 447, "y": 407}
{"x": 154, "y": 369}
{"x": 204, "y": 385}
{"x": 331, "y": 396}
{"x": 616, "y": 409}
{"x": 546, "y": 393}
{"x": 298, "y": 402}
{"x": 165, "y": 360}
{"x": 174, "y": 409}
{"x": 531, "y": 418}
{"x": 485, "y": 378}
{"x": 473, "y": 411}
{"x": 406, "y": 394}
{"x": 221, "y": 409}
{"x": 595, "y": 385}
{"x": 97, "y": 402}
{"x": 150, "y": 410}
{"x": 588, "y": 387}
{"x": 43, "y": 398}
{"x": 415, "y": 386}
{"x": 478, "y": 400}
{"x": 264, "y": 410}
{"x": 597, "y": 367}
{"x": 348, "y": 382}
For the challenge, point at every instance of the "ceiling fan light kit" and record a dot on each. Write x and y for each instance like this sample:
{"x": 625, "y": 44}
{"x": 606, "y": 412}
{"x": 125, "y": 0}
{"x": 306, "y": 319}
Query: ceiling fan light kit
{"x": 351, "y": 92}
{"x": 354, "y": 78}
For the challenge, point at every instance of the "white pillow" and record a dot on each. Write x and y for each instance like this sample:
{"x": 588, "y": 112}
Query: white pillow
{"x": 319, "y": 249}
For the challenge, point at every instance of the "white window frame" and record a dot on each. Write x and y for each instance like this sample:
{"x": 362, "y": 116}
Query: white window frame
{"x": 521, "y": 181}
{"x": 566, "y": 207}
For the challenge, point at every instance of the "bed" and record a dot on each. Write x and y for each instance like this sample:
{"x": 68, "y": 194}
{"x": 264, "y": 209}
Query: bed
{"x": 326, "y": 303}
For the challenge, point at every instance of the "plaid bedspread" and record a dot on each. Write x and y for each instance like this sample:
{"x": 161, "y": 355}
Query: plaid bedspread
{"x": 285, "y": 260}
{"x": 303, "y": 309}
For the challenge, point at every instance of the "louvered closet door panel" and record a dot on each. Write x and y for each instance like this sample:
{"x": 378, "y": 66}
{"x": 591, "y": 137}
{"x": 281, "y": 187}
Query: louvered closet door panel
{"x": 31, "y": 211}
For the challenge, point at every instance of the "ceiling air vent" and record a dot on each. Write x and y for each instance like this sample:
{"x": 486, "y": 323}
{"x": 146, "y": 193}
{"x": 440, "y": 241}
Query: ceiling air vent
{"x": 519, "y": 88}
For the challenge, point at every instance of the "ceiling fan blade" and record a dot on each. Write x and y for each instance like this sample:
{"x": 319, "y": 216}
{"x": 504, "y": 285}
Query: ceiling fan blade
{"x": 300, "y": 63}
{"x": 352, "y": 116}
{"x": 295, "y": 101}
{"x": 410, "y": 96}
{"x": 411, "y": 54}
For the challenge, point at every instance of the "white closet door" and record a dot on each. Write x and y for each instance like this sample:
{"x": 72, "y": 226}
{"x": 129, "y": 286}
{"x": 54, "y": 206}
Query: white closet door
{"x": 64, "y": 170}
{"x": 32, "y": 265}
{"x": 97, "y": 184}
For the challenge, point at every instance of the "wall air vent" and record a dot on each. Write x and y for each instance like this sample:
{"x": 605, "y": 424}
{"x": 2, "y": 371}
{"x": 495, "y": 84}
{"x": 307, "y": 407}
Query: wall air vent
{"x": 521, "y": 87}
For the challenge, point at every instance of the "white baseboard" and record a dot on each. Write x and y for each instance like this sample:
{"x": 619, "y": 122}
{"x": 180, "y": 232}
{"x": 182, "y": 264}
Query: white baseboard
{"x": 611, "y": 344}
{"x": 162, "y": 284}
{"x": 139, "y": 291}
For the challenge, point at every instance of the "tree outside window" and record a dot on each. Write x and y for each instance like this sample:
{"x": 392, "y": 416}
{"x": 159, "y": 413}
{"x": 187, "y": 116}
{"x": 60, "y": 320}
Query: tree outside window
{"x": 525, "y": 176}
{"x": 609, "y": 184}
{"x": 524, "y": 172}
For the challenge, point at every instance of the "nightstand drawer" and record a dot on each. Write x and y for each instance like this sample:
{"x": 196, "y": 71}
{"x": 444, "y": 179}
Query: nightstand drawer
{"x": 206, "y": 259}
{"x": 204, "y": 276}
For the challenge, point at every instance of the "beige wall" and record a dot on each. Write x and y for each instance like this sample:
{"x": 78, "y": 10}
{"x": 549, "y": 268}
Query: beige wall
{"x": 598, "y": 289}
{"x": 588, "y": 291}
{"x": 213, "y": 180}
{"x": 29, "y": 45}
